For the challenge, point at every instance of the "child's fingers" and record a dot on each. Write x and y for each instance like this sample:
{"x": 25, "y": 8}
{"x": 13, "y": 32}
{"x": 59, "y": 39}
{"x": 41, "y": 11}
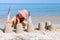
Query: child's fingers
{"x": 25, "y": 22}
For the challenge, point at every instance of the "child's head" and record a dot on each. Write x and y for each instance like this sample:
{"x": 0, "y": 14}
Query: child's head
{"x": 24, "y": 13}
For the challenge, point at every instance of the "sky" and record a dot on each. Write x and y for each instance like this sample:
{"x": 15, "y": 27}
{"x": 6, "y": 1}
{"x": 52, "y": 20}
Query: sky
{"x": 29, "y": 1}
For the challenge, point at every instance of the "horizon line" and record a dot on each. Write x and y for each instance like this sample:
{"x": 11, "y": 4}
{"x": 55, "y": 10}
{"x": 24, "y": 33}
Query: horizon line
{"x": 31, "y": 3}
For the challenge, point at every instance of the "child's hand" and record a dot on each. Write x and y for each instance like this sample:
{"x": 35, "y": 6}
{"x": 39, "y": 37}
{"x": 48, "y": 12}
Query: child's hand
{"x": 25, "y": 22}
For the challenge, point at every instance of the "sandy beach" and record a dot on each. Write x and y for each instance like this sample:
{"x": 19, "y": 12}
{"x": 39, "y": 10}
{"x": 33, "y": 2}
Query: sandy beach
{"x": 36, "y": 35}
{"x": 45, "y": 23}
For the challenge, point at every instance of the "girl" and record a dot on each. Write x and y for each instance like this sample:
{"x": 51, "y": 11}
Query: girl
{"x": 21, "y": 17}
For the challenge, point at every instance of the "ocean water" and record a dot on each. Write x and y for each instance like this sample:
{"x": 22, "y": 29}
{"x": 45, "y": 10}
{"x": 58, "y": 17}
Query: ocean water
{"x": 36, "y": 9}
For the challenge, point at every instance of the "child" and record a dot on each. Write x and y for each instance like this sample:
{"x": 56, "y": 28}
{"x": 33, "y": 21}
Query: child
{"x": 20, "y": 18}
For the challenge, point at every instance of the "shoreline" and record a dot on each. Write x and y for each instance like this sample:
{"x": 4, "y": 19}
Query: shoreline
{"x": 35, "y": 20}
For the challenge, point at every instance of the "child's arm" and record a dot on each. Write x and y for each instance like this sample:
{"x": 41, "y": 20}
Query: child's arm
{"x": 11, "y": 20}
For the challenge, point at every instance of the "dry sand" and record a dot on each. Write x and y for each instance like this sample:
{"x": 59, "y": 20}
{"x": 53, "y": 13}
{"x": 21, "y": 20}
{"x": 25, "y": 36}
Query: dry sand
{"x": 36, "y": 35}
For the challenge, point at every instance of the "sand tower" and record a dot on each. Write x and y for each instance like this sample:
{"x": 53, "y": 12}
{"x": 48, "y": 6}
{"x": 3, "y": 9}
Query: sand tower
{"x": 8, "y": 28}
{"x": 19, "y": 28}
{"x": 52, "y": 28}
{"x": 41, "y": 26}
{"x": 49, "y": 26}
{"x": 30, "y": 28}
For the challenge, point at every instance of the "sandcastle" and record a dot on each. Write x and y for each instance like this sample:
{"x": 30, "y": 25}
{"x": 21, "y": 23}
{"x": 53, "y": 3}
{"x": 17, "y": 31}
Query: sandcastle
{"x": 41, "y": 26}
{"x": 8, "y": 28}
{"x": 30, "y": 27}
{"x": 49, "y": 26}
{"x": 19, "y": 28}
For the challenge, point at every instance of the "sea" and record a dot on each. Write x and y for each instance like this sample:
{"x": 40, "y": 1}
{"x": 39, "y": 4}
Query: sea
{"x": 36, "y": 9}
